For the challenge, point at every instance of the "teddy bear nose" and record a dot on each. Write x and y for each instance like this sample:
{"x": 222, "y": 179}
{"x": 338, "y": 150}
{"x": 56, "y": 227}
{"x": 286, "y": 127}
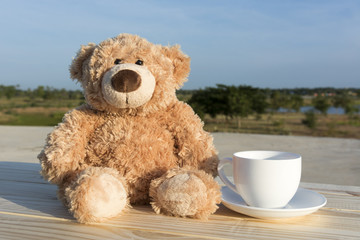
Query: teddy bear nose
{"x": 126, "y": 81}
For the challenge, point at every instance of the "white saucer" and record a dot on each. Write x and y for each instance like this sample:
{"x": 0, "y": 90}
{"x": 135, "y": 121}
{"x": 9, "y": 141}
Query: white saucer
{"x": 304, "y": 202}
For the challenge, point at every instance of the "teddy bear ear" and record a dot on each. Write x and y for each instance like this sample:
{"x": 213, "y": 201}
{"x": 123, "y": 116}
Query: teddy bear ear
{"x": 76, "y": 67}
{"x": 181, "y": 63}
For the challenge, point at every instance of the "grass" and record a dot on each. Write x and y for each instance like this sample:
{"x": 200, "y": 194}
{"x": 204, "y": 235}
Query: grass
{"x": 34, "y": 112}
{"x": 34, "y": 119}
{"x": 37, "y": 112}
{"x": 23, "y": 102}
{"x": 287, "y": 124}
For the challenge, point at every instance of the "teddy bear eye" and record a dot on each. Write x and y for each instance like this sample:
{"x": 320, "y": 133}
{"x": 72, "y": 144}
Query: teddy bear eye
{"x": 139, "y": 62}
{"x": 117, "y": 61}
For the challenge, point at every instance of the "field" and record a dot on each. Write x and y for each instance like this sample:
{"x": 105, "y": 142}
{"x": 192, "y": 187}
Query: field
{"x": 39, "y": 112}
{"x": 35, "y": 112}
{"x": 288, "y": 124}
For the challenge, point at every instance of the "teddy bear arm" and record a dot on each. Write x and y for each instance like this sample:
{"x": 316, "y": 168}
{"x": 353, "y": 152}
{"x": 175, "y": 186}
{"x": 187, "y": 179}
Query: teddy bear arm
{"x": 195, "y": 146}
{"x": 198, "y": 151}
{"x": 65, "y": 146}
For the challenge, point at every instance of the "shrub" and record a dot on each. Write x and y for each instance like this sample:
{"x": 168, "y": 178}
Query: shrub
{"x": 310, "y": 120}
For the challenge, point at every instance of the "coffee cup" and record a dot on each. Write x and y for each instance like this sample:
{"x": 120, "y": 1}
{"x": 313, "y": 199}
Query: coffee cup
{"x": 264, "y": 179}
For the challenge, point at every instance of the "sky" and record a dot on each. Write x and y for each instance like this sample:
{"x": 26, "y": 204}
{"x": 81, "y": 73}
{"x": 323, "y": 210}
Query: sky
{"x": 265, "y": 44}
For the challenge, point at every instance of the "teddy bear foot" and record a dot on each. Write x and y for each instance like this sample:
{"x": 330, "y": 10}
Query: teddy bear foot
{"x": 96, "y": 195}
{"x": 185, "y": 193}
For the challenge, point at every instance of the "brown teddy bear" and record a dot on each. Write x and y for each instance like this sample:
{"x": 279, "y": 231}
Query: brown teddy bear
{"x": 133, "y": 142}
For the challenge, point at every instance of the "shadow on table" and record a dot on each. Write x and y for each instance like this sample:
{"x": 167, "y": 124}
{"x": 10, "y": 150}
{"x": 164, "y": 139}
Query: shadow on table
{"x": 27, "y": 192}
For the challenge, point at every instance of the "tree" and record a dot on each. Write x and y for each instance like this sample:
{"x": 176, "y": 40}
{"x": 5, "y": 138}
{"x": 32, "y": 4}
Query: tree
{"x": 231, "y": 101}
{"x": 198, "y": 102}
{"x": 208, "y": 101}
{"x": 321, "y": 104}
{"x": 278, "y": 100}
{"x": 258, "y": 100}
{"x": 346, "y": 102}
{"x": 238, "y": 101}
{"x": 39, "y": 92}
{"x": 296, "y": 102}
{"x": 9, "y": 91}
{"x": 310, "y": 120}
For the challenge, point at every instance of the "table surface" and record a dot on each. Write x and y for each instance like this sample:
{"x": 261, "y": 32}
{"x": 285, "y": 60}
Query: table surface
{"x": 29, "y": 209}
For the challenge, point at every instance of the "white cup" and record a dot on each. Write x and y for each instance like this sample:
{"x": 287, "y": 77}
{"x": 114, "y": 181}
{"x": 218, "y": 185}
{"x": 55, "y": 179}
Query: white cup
{"x": 264, "y": 179}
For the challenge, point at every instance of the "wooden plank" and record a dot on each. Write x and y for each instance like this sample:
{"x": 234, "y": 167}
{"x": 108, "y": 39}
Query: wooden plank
{"x": 227, "y": 224}
{"x": 29, "y": 209}
{"x": 224, "y": 225}
{"x": 341, "y": 189}
{"x": 18, "y": 227}
{"x": 22, "y": 192}
{"x": 20, "y": 172}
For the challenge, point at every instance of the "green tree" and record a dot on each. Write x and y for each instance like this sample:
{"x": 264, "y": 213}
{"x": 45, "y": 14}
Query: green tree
{"x": 40, "y": 92}
{"x": 238, "y": 102}
{"x": 296, "y": 102}
{"x": 278, "y": 100}
{"x": 321, "y": 104}
{"x": 346, "y": 102}
{"x": 9, "y": 91}
{"x": 2, "y": 90}
{"x": 49, "y": 93}
{"x": 310, "y": 120}
{"x": 258, "y": 99}
{"x": 231, "y": 101}
{"x": 208, "y": 101}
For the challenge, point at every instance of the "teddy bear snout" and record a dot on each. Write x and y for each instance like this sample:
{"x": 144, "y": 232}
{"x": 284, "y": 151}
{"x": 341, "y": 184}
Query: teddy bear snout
{"x": 126, "y": 81}
{"x": 128, "y": 85}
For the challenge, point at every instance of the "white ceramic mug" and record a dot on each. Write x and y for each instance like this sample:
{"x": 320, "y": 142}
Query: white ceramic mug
{"x": 265, "y": 179}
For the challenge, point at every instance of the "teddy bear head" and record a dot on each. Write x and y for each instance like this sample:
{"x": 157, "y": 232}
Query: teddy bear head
{"x": 129, "y": 75}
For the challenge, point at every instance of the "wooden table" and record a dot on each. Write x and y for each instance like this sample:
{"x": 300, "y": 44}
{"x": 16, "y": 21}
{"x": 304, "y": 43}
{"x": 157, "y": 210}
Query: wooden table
{"x": 29, "y": 209}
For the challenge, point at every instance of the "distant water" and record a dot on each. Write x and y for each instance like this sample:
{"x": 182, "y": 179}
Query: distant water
{"x": 331, "y": 110}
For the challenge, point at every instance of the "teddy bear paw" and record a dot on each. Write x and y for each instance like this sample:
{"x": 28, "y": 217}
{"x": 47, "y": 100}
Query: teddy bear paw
{"x": 185, "y": 194}
{"x": 97, "y": 195}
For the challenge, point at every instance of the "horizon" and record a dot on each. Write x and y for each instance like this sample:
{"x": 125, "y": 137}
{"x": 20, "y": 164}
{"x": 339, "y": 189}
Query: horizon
{"x": 263, "y": 44}
{"x": 195, "y": 89}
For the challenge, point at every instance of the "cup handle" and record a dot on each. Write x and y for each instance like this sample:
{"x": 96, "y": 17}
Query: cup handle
{"x": 222, "y": 175}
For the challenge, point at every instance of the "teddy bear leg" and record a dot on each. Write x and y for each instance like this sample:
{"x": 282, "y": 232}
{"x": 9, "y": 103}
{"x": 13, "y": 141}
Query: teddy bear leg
{"x": 185, "y": 193}
{"x": 96, "y": 195}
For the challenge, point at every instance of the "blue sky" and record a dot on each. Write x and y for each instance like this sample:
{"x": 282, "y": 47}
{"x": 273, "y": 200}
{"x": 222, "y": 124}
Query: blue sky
{"x": 275, "y": 44}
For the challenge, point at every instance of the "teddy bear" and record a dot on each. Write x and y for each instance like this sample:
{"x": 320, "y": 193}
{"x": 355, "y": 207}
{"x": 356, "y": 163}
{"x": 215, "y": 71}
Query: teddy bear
{"x": 132, "y": 142}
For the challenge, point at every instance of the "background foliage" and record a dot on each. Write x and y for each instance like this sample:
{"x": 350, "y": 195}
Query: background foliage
{"x": 300, "y": 111}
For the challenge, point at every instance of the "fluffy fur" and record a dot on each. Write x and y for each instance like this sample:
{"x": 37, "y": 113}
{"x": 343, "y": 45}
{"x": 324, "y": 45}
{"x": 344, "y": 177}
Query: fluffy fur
{"x": 104, "y": 157}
